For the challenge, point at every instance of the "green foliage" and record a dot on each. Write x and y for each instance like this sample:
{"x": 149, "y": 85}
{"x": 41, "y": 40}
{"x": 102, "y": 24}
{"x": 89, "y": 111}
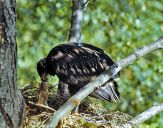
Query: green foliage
{"x": 119, "y": 27}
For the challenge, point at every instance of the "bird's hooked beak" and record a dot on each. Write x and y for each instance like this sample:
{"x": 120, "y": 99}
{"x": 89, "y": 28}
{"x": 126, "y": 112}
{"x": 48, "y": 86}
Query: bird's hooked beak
{"x": 44, "y": 77}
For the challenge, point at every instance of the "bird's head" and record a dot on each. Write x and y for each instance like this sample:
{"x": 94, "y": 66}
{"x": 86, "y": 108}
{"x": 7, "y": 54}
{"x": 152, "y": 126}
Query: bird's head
{"x": 42, "y": 69}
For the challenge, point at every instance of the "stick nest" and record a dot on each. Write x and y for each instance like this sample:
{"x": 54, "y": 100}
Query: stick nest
{"x": 89, "y": 116}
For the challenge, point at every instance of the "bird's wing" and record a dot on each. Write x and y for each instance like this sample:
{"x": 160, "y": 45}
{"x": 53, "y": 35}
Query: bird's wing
{"x": 78, "y": 65}
{"x": 109, "y": 91}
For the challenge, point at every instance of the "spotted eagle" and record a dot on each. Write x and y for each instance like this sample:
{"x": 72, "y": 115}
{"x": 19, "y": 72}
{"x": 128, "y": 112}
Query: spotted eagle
{"x": 76, "y": 65}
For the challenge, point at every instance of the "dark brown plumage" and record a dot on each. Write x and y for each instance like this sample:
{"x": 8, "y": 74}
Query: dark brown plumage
{"x": 76, "y": 66}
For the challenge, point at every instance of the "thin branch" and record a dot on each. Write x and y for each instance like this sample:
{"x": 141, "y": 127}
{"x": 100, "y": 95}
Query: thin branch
{"x": 76, "y": 20}
{"x": 143, "y": 116}
{"x": 100, "y": 80}
{"x": 147, "y": 114}
{"x": 41, "y": 106}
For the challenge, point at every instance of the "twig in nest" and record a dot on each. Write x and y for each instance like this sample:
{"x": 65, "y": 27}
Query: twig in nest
{"x": 41, "y": 106}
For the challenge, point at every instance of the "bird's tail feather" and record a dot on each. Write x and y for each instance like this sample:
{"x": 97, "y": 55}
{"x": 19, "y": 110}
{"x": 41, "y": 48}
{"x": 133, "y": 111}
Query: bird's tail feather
{"x": 109, "y": 92}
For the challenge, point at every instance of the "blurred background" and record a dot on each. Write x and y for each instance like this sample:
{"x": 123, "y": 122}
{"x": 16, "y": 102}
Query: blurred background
{"x": 117, "y": 26}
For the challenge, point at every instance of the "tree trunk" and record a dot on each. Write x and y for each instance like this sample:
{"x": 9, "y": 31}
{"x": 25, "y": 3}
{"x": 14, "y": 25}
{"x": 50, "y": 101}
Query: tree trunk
{"x": 11, "y": 100}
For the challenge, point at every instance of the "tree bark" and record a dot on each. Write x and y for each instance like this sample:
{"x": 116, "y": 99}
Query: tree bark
{"x": 76, "y": 20}
{"x": 11, "y": 100}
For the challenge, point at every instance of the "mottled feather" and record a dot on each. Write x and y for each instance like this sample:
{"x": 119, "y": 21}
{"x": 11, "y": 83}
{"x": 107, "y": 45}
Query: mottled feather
{"x": 78, "y": 65}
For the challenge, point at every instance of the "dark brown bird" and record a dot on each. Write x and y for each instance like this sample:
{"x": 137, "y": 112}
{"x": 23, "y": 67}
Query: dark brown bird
{"x": 76, "y": 66}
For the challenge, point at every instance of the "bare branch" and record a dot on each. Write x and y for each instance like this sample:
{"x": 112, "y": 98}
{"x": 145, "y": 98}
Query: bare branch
{"x": 143, "y": 116}
{"x": 147, "y": 114}
{"x": 109, "y": 73}
{"x": 76, "y": 20}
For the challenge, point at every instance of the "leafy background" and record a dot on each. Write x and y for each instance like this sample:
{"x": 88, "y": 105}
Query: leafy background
{"x": 119, "y": 27}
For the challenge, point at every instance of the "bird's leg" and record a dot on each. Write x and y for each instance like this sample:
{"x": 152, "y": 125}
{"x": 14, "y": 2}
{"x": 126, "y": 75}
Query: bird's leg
{"x": 63, "y": 88}
{"x": 43, "y": 93}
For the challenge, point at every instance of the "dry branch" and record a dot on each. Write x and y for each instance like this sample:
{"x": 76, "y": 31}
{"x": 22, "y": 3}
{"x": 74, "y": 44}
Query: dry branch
{"x": 143, "y": 116}
{"x": 100, "y": 80}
